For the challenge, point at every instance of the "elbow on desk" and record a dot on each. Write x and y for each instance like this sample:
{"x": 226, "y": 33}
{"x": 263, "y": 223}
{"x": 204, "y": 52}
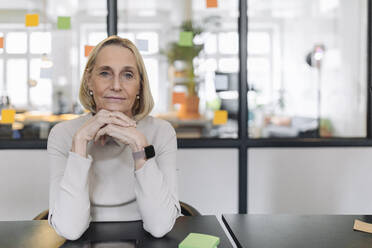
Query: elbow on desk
{"x": 157, "y": 231}
{"x": 69, "y": 231}
{"x": 160, "y": 228}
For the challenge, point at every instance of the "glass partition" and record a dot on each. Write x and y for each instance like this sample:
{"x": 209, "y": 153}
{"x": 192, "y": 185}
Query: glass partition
{"x": 307, "y": 68}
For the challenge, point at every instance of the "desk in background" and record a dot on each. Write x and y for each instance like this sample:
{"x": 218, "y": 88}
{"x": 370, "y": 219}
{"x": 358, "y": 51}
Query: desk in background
{"x": 294, "y": 231}
{"x": 38, "y": 233}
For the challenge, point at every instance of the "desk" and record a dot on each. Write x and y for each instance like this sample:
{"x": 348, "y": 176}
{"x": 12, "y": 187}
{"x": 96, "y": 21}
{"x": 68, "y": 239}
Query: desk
{"x": 296, "y": 231}
{"x": 38, "y": 233}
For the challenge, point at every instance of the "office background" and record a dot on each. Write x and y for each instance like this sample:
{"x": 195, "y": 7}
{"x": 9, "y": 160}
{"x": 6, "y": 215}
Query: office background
{"x": 254, "y": 165}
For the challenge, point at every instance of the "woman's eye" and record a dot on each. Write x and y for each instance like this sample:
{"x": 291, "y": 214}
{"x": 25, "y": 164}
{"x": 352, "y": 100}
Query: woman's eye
{"x": 104, "y": 73}
{"x": 128, "y": 75}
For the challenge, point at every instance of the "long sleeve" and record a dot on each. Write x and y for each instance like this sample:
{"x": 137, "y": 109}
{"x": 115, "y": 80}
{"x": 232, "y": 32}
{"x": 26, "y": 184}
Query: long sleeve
{"x": 156, "y": 186}
{"x": 69, "y": 205}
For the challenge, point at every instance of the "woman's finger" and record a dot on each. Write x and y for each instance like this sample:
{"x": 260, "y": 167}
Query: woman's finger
{"x": 124, "y": 118}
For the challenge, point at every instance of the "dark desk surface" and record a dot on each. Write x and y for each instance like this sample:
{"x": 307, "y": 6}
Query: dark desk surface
{"x": 38, "y": 233}
{"x": 296, "y": 231}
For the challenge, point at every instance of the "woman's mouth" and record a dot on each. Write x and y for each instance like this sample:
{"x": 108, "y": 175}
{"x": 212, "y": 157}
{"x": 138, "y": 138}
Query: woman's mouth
{"x": 114, "y": 98}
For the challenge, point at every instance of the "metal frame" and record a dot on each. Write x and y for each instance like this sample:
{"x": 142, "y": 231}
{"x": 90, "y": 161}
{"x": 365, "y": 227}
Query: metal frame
{"x": 243, "y": 143}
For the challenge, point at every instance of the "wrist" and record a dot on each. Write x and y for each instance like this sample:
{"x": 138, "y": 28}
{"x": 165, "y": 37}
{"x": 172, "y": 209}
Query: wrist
{"x": 79, "y": 145}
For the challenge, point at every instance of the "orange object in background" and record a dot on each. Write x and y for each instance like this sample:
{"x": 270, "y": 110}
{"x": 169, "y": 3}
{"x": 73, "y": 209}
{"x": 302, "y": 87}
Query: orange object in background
{"x": 189, "y": 110}
{"x": 1, "y": 42}
{"x": 178, "y": 97}
{"x": 88, "y": 49}
{"x": 212, "y": 4}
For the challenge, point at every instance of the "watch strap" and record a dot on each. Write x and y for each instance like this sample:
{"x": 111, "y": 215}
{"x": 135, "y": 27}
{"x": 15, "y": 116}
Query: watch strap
{"x": 139, "y": 155}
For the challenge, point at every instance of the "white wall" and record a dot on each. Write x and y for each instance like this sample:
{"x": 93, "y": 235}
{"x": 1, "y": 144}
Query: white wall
{"x": 208, "y": 180}
{"x": 310, "y": 180}
{"x": 281, "y": 180}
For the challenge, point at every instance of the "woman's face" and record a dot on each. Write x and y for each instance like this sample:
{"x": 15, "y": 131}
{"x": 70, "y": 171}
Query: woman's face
{"x": 115, "y": 80}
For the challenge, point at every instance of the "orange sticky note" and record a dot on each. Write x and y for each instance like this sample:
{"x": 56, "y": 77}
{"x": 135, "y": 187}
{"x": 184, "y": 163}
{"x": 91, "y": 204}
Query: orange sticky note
{"x": 32, "y": 20}
{"x": 1, "y": 42}
{"x": 178, "y": 97}
{"x": 88, "y": 49}
{"x": 220, "y": 117}
{"x": 212, "y": 4}
{"x": 7, "y": 116}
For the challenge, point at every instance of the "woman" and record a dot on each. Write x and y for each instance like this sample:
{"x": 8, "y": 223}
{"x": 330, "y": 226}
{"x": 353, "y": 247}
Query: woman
{"x": 116, "y": 163}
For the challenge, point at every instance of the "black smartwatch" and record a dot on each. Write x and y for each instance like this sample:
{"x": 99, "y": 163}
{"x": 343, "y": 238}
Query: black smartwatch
{"x": 147, "y": 153}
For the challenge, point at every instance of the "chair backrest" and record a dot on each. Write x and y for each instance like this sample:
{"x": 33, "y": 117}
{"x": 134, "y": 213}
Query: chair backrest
{"x": 186, "y": 210}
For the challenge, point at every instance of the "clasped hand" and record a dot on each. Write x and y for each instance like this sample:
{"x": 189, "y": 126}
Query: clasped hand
{"x": 114, "y": 124}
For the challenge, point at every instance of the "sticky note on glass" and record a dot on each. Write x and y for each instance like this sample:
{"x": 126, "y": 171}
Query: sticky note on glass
{"x": 7, "y": 116}
{"x": 362, "y": 226}
{"x": 212, "y": 4}
{"x": 32, "y": 20}
{"x": 142, "y": 45}
{"x": 198, "y": 240}
{"x": 87, "y": 50}
{"x": 63, "y": 22}
{"x": 1, "y": 42}
{"x": 178, "y": 97}
{"x": 185, "y": 39}
{"x": 220, "y": 117}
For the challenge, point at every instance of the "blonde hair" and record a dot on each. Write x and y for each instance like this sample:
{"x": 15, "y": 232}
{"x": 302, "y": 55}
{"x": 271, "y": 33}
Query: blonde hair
{"x": 143, "y": 106}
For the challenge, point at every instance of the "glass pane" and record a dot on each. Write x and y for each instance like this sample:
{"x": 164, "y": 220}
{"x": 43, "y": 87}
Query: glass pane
{"x": 96, "y": 37}
{"x": 16, "y": 82}
{"x": 259, "y": 43}
{"x": 210, "y": 43}
{"x": 191, "y": 53}
{"x": 302, "y": 65}
{"x": 16, "y": 42}
{"x": 152, "y": 40}
{"x": 40, "y": 42}
{"x": 228, "y": 65}
{"x": 2, "y": 36}
{"x": 228, "y": 43}
{"x": 129, "y": 36}
{"x": 2, "y": 84}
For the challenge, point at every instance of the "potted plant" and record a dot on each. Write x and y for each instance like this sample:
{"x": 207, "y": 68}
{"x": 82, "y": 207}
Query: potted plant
{"x": 175, "y": 52}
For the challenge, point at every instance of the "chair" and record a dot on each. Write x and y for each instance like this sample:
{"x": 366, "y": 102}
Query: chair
{"x": 186, "y": 210}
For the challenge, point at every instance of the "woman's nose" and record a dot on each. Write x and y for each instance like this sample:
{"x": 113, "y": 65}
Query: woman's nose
{"x": 115, "y": 85}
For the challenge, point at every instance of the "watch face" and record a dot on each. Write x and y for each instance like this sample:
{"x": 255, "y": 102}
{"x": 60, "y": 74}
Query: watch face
{"x": 149, "y": 151}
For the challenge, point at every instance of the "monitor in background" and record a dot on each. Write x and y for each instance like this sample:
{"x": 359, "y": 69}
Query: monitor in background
{"x": 226, "y": 85}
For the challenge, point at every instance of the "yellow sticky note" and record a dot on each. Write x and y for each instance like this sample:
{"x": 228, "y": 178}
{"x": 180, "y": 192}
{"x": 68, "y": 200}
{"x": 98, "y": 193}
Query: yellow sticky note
{"x": 220, "y": 117}
{"x": 7, "y": 116}
{"x": 32, "y": 20}
{"x": 88, "y": 49}
{"x": 1, "y": 42}
{"x": 185, "y": 39}
{"x": 212, "y": 4}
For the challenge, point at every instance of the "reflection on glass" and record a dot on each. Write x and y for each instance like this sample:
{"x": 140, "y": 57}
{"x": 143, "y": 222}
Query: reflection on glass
{"x": 40, "y": 42}
{"x": 16, "y": 42}
{"x": 305, "y": 59}
{"x": 17, "y": 81}
{"x": 228, "y": 43}
{"x": 44, "y": 64}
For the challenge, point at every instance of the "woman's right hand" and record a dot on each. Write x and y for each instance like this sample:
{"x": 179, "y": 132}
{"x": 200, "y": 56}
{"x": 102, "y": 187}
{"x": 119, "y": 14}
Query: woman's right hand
{"x": 88, "y": 131}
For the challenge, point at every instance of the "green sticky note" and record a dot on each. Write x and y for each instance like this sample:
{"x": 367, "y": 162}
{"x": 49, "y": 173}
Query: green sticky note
{"x": 64, "y": 22}
{"x": 199, "y": 240}
{"x": 185, "y": 39}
